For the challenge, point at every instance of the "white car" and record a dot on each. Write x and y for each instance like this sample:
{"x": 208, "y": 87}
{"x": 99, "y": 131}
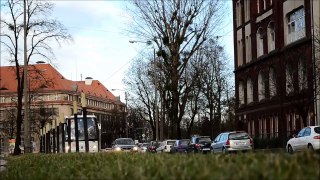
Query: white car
{"x": 165, "y": 146}
{"x": 307, "y": 138}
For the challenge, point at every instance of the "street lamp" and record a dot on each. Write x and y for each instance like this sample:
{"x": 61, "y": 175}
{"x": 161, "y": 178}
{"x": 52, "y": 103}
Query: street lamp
{"x": 155, "y": 87}
{"x": 126, "y": 108}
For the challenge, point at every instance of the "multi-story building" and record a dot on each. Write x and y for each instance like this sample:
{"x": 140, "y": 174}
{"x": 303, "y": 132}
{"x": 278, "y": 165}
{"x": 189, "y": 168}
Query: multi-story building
{"x": 51, "y": 98}
{"x": 275, "y": 66}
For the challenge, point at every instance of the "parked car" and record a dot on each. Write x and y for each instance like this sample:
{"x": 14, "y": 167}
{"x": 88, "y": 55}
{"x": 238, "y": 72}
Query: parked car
{"x": 153, "y": 146}
{"x": 165, "y": 146}
{"x": 232, "y": 142}
{"x": 307, "y": 138}
{"x": 200, "y": 144}
{"x": 181, "y": 146}
{"x": 124, "y": 144}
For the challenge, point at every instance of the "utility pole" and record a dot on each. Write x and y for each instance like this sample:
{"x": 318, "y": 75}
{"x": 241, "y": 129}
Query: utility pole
{"x": 26, "y": 122}
{"x": 126, "y": 111}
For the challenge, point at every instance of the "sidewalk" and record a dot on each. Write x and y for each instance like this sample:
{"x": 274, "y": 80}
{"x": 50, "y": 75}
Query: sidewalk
{"x": 3, "y": 164}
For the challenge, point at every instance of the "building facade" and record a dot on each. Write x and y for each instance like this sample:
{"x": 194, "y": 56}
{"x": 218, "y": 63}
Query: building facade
{"x": 275, "y": 66}
{"x": 51, "y": 98}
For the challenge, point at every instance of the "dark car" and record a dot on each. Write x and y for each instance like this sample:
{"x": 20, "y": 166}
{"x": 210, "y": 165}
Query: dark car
{"x": 181, "y": 146}
{"x": 153, "y": 146}
{"x": 200, "y": 144}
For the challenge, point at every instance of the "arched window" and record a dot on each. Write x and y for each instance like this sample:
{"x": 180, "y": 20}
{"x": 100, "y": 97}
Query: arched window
{"x": 272, "y": 83}
{"x": 271, "y": 37}
{"x": 249, "y": 91}
{"x": 241, "y": 93}
{"x": 261, "y": 86}
{"x": 303, "y": 84}
{"x": 289, "y": 79}
{"x": 259, "y": 42}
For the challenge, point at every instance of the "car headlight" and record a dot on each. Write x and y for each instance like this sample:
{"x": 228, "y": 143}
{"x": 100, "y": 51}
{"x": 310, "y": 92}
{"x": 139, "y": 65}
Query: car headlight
{"x": 94, "y": 147}
{"x": 135, "y": 148}
{"x": 67, "y": 148}
{"x": 117, "y": 149}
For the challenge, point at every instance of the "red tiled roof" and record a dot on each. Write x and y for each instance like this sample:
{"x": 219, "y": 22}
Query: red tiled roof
{"x": 54, "y": 81}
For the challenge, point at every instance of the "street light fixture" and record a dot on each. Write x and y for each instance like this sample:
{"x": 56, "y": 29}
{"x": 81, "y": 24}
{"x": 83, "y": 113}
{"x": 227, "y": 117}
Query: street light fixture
{"x": 155, "y": 88}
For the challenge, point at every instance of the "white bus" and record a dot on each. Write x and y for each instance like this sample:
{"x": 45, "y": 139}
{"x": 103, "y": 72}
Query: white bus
{"x": 92, "y": 134}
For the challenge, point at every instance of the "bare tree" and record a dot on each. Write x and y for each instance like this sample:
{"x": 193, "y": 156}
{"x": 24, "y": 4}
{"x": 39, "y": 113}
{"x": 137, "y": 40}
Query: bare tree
{"x": 178, "y": 28}
{"x": 214, "y": 82}
{"x": 41, "y": 31}
{"x": 140, "y": 82}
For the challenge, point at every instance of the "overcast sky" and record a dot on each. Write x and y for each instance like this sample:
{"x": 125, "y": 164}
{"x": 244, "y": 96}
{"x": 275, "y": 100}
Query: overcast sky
{"x": 101, "y": 48}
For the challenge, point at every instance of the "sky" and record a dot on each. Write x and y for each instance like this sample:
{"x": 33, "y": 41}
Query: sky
{"x": 100, "y": 47}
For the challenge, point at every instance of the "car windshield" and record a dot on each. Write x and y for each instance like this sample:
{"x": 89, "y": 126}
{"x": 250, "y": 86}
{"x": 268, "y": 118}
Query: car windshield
{"x": 124, "y": 142}
{"x": 145, "y": 144}
{"x": 184, "y": 142}
{"x": 204, "y": 139}
{"x": 238, "y": 136}
{"x": 170, "y": 142}
{"x": 317, "y": 130}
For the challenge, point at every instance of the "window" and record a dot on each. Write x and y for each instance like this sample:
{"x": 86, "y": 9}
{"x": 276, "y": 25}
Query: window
{"x": 238, "y": 11}
{"x": 272, "y": 83}
{"x": 300, "y": 134}
{"x": 271, "y": 37}
{"x": 249, "y": 91}
{"x": 276, "y": 126}
{"x": 2, "y": 100}
{"x": 260, "y": 127}
{"x": 264, "y": 4}
{"x": 247, "y": 10}
{"x": 261, "y": 86}
{"x": 271, "y": 127}
{"x": 259, "y": 42}
{"x": 240, "y": 50}
{"x": 249, "y": 128}
{"x": 264, "y": 127}
{"x": 252, "y": 129}
{"x": 302, "y": 75}
{"x": 296, "y": 25}
{"x": 241, "y": 93}
{"x": 307, "y": 132}
{"x": 289, "y": 79}
{"x": 248, "y": 48}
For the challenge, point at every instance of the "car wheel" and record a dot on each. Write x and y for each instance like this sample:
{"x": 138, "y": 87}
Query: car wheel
{"x": 310, "y": 147}
{"x": 224, "y": 151}
{"x": 290, "y": 150}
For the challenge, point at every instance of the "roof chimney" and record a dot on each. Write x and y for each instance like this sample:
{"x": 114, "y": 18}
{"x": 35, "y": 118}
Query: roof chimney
{"x": 88, "y": 81}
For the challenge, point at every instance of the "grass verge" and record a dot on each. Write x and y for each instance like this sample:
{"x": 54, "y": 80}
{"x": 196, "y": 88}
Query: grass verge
{"x": 305, "y": 165}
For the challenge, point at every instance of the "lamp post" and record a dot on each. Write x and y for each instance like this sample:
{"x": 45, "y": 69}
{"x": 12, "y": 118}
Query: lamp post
{"x": 126, "y": 108}
{"x": 155, "y": 90}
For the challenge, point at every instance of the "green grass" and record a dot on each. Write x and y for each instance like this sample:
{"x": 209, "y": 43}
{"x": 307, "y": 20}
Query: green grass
{"x": 260, "y": 166}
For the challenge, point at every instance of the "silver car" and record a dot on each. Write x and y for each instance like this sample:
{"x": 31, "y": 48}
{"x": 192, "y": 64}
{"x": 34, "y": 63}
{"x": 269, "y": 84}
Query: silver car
{"x": 232, "y": 142}
{"x": 307, "y": 138}
{"x": 124, "y": 144}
